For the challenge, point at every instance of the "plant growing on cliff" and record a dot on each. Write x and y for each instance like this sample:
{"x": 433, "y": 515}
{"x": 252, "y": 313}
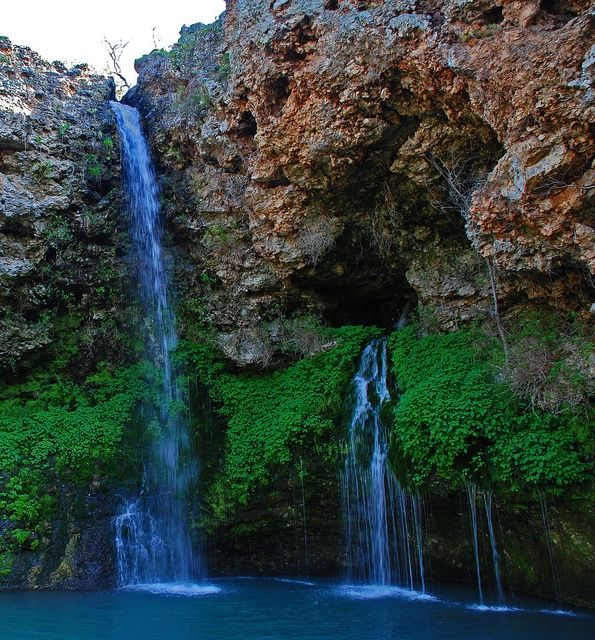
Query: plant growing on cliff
{"x": 316, "y": 237}
{"x": 44, "y": 169}
{"x": 54, "y": 432}
{"x": 64, "y": 128}
{"x": 548, "y": 363}
{"x": 92, "y": 166}
{"x": 194, "y": 102}
{"x": 271, "y": 417}
{"x": 456, "y": 421}
{"x": 114, "y": 52}
{"x": 224, "y": 67}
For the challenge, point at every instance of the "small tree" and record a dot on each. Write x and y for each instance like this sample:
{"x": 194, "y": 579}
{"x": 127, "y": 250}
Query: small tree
{"x": 114, "y": 52}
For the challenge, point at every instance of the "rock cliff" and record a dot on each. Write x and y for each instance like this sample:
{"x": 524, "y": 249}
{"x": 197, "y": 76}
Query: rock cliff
{"x": 338, "y": 158}
{"x": 60, "y": 244}
{"x": 347, "y": 157}
{"x": 63, "y": 284}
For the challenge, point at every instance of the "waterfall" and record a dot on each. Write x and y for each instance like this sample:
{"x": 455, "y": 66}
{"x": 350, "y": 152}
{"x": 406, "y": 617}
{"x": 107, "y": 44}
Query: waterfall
{"x": 152, "y": 538}
{"x": 472, "y": 500}
{"x": 495, "y": 555}
{"x": 383, "y": 524}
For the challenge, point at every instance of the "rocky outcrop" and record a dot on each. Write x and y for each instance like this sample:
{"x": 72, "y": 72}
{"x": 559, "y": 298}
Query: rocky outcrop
{"x": 60, "y": 244}
{"x": 344, "y": 157}
{"x": 80, "y": 553}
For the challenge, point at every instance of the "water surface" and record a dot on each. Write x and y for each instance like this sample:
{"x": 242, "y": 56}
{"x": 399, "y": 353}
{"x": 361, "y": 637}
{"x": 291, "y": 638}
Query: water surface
{"x": 276, "y": 609}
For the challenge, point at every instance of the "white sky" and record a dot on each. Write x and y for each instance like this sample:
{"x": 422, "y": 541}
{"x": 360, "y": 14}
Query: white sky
{"x": 72, "y": 30}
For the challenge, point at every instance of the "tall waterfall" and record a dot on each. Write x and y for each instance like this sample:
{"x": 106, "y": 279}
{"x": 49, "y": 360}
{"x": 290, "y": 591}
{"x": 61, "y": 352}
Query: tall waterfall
{"x": 153, "y": 543}
{"x": 383, "y": 522}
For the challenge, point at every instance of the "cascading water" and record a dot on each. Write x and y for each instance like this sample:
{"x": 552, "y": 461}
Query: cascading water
{"x": 382, "y": 521}
{"x": 153, "y": 543}
{"x": 472, "y": 500}
{"x": 495, "y": 555}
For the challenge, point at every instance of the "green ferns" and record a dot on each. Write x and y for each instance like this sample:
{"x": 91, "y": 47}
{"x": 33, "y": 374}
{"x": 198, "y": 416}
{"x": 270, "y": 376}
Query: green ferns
{"x": 455, "y": 421}
{"x": 273, "y": 416}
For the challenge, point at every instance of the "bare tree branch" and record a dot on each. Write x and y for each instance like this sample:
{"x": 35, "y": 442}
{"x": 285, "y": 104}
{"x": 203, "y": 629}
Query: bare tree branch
{"x": 115, "y": 51}
{"x": 156, "y": 38}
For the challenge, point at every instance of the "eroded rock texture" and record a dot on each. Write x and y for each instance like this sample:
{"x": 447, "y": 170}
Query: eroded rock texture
{"x": 344, "y": 157}
{"x": 60, "y": 274}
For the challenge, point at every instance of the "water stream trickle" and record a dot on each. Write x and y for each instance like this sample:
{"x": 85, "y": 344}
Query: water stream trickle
{"x": 472, "y": 500}
{"x": 495, "y": 555}
{"x": 383, "y": 523}
{"x": 153, "y": 543}
{"x": 550, "y": 545}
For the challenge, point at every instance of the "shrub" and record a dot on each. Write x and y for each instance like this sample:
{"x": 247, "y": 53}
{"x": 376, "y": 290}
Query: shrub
{"x": 548, "y": 362}
{"x": 317, "y": 237}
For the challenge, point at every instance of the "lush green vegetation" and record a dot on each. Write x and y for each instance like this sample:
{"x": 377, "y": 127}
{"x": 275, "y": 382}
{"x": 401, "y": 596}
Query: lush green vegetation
{"x": 457, "y": 419}
{"x": 273, "y": 417}
{"x": 56, "y": 434}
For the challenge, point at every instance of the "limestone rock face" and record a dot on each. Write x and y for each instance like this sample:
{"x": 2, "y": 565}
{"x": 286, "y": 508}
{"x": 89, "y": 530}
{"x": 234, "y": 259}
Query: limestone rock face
{"x": 59, "y": 206}
{"x": 339, "y": 156}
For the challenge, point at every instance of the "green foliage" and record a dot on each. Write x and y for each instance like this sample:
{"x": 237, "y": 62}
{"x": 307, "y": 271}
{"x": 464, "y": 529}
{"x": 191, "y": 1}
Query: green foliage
{"x": 456, "y": 421}
{"x": 44, "y": 169}
{"x": 6, "y": 562}
{"x": 55, "y": 432}
{"x": 92, "y": 166}
{"x": 273, "y": 416}
{"x": 224, "y": 66}
{"x": 194, "y": 102}
{"x": 549, "y": 362}
{"x": 64, "y": 128}
{"x": 58, "y": 233}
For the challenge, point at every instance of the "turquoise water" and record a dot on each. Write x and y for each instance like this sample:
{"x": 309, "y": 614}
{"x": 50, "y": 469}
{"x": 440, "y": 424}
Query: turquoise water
{"x": 269, "y": 609}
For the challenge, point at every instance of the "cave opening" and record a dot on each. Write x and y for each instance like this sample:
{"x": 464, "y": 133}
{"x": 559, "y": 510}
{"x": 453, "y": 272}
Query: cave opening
{"x": 494, "y": 15}
{"x": 399, "y": 230}
{"x": 562, "y": 8}
{"x": 381, "y": 307}
{"x": 247, "y": 126}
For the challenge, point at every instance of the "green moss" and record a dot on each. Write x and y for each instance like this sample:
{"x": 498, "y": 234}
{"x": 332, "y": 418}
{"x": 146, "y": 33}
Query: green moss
{"x": 92, "y": 166}
{"x": 224, "y": 66}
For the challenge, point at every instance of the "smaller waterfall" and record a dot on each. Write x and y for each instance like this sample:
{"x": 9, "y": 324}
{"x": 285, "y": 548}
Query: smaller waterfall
{"x": 417, "y": 505}
{"x": 472, "y": 499}
{"x": 494, "y": 547}
{"x": 383, "y": 523}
